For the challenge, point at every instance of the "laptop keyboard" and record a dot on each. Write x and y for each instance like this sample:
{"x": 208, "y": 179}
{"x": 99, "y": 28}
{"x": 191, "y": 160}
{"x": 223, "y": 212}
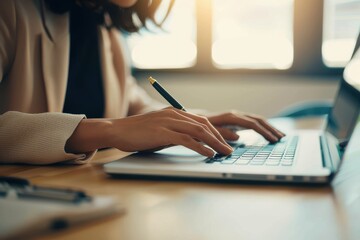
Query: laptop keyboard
{"x": 281, "y": 153}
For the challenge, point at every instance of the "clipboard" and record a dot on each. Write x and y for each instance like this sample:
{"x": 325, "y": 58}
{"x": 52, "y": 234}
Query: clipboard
{"x": 28, "y": 210}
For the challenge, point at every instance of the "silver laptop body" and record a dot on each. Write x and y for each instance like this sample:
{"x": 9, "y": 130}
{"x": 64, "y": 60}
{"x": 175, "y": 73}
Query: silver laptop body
{"x": 309, "y": 156}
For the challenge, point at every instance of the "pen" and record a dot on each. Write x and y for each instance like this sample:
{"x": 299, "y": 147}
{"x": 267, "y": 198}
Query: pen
{"x": 165, "y": 94}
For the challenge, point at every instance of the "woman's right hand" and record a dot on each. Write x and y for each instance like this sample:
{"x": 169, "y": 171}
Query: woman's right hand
{"x": 149, "y": 131}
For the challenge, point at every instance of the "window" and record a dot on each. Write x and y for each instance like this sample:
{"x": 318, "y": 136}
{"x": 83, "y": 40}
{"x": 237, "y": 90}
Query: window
{"x": 282, "y": 36}
{"x": 253, "y": 34}
{"x": 341, "y": 28}
{"x": 173, "y": 47}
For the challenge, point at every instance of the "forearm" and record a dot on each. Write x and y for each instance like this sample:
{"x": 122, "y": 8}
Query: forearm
{"x": 90, "y": 134}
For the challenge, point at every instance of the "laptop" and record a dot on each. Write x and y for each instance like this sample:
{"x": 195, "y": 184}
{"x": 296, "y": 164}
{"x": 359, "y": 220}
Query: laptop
{"x": 304, "y": 156}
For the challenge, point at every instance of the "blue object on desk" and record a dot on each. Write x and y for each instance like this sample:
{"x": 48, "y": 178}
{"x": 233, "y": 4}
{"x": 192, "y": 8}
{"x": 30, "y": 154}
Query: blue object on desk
{"x": 306, "y": 109}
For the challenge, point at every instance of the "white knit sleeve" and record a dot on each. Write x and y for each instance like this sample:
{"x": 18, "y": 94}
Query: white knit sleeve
{"x": 38, "y": 138}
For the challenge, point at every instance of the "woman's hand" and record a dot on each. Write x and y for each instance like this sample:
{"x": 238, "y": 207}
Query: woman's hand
{"x": 250, "y": 121}
{"x": 149, "y": 131}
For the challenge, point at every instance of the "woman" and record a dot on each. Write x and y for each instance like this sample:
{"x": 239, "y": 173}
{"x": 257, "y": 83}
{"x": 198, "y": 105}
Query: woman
{"x": 61, "y": 60}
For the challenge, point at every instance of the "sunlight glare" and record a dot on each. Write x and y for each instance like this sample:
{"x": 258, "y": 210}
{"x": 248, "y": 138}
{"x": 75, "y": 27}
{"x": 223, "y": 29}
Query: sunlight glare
{"x": 337, "y": 52}
{"x": 168, "y": 53}
{"x": 254, "y": 34}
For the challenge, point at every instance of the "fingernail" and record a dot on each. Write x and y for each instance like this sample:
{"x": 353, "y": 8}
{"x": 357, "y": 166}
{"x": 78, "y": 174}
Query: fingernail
{"x": 226, "y": 145}
{"x": 230, "y": 149}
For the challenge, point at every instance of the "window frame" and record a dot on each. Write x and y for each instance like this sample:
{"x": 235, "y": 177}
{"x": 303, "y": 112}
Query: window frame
{"x": 308, "y": 37}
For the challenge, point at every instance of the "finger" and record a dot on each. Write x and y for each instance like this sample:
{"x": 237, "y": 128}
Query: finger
{"x": 244, "y": 121}
{"x": 205, "y": 121}
{"x": 174, "y": 115}
{"x": 200, "y": 132}
{"x": 248, "y": 122}
{"x": 228, "y": 134}
{"x": 187, "y": 141}
{"x": 255, "y": 125}
{"x": 264, "y": 123}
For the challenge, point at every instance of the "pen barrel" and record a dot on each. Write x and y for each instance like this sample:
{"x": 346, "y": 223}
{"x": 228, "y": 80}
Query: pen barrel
{"x": 167, "y": 96}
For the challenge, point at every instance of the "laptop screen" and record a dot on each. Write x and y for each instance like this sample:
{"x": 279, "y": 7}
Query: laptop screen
{"x": 345, "y": 112}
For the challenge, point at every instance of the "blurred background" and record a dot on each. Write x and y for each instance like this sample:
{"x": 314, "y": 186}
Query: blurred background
{"x": 258, "y": 56}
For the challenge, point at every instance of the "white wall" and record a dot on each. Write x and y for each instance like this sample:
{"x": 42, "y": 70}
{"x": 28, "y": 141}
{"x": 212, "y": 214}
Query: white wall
{"x": 265, "y": 95}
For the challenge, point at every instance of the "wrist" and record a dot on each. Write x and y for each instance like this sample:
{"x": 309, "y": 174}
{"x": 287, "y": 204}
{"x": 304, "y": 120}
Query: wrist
{"x": 89, "y": 135}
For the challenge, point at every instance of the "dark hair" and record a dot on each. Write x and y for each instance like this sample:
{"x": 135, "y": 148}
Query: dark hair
{"x": 121, "y": 18}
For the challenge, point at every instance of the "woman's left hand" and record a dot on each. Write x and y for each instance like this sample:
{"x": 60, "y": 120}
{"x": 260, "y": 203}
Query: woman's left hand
{"x": 250, "y": 121}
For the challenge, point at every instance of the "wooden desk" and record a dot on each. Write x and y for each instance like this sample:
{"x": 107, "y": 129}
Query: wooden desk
{"x": 201, "y": 210}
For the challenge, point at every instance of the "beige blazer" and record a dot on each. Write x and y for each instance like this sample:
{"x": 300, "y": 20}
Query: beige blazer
{"x": 34, "y": 60}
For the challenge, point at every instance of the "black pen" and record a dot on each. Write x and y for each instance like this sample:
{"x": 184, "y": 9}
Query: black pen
{"x": 165, "y": 94}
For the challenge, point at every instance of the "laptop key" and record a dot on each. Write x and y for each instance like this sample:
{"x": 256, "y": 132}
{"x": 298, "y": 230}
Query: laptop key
{"x": 246, "y": 158}
{"x": 232, "y": 157}
{"x": 242, "y": 162}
